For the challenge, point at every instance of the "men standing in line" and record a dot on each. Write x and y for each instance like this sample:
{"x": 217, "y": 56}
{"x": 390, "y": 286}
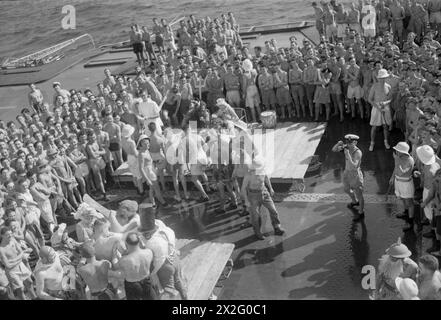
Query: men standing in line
{"x": 137, "y": 44}
{"x": 232, "y": 86}
{"x": 397, "y": 17}
{"x": 35, "y": 98}
{"x": 432, "y": 196}
{"x": 434, "y": 11}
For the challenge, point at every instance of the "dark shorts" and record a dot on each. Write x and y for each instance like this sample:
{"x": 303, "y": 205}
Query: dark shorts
{"x": 171, "y": 108}
{"x": 141, "y": 290}
{"x": 159, "y": 41}
{"x": 222, "y": 173}
{"x": 114, "y": 146}
{"x": 436, "y": 223}
{"x": 148, "y": 46}
{"x": 268, "y": 97}
{"x": 107, "y": 294}
{"x": 137, "y": 48}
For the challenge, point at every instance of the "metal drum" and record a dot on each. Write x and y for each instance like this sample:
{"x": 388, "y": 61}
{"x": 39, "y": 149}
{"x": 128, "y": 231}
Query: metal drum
{"x": 269, "y": 119}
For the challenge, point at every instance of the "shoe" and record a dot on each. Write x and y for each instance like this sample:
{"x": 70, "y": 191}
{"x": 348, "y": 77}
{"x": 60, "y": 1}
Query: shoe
{"x": 386, "y": 145}
{"x": 429, "y": 235}
{"x": 436, "y": 253}
{"x": 202, "y": 199}
{"x": 352, "y": 205}
{"x": 359, "y": 217}
{"x": 408, "y": 227}
{"x": 435, "y": 248}
{"x": 232, "y": 206}
{"x": 371, "y": 147}
{"x": 219, "y": 211}
{"x": 279, "y": 231}
{"x": 243, "y": 212}
{"x": 259, "y": 236}
{"x": 402, "y": 215}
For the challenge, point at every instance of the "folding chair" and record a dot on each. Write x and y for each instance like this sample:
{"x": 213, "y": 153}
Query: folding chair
{"x": 242, "y": 114}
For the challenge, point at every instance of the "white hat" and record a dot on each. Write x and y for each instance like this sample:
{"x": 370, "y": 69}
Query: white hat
{"x": 407, "y": 288}
{"x": 351, "y": 136}
{"x": 127, "y": 131}
{"x": 58, "y": 235}
{"x": 426, "y": 155}
{"x": 142, "y": 137}
{"x": 398, "y": 250}
{"x": 382, "y": 73}
{"x": 402, "y": 147}
{"x": 220, "y": 101}
{"x": 85, "y": 210}
{"x": 247, "y": 65}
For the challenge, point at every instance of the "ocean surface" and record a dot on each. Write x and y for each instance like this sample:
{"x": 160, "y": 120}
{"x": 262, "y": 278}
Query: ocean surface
{"x": 32, "y": 25}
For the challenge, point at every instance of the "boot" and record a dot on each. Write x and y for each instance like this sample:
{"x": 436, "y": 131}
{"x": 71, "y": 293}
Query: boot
{"x": 386, "y": 145}
{"x": 353, "y": 204}
{"x": 409, "y": 225}
{"x": 278, "y": 231}
{"x": 429, "y": 235}
{"x": 358, "y": 217}
{"x": 403, "y": 215}
{"x": 257, "y": 230}
{"x": 435, "y": 247}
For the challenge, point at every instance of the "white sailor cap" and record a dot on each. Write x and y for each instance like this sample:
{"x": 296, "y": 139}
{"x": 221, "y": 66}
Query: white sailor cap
{"x": 351, "y": 137}
{"x": 56, "y": 84}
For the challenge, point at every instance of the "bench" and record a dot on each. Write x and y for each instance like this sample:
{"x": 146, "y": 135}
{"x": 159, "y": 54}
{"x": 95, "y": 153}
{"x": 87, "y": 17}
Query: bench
{"x": 203, "y": 264}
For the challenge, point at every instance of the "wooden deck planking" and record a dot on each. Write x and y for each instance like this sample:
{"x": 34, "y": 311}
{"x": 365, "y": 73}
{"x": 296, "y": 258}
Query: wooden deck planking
{"x": 217, "y": 266}
{"x": 281, "y": 144}
{"x": 294, "y": 146}
{"x": 203, "y": 256}
{"x": 286, "y": 162}
{"x": 305, "y": 146}
{"x": 202, "y": 265}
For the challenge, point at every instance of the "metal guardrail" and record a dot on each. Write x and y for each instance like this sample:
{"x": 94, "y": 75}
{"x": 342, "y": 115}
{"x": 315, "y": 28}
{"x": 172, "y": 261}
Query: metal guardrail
{"x": 42, "y": 54}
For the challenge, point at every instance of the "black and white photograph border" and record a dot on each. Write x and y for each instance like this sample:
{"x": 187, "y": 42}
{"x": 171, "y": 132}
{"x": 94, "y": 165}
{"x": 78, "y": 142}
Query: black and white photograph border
{"x": 235, "y": 152}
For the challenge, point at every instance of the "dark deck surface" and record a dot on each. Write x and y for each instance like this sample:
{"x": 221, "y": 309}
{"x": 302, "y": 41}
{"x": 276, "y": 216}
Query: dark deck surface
{"x": 323, "y": 251}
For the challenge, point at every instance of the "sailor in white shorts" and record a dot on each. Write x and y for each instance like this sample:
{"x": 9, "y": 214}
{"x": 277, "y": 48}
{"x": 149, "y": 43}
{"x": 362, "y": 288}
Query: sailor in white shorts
{"x": 403, "y": 181}
{"x": 431, "y": 164}
{"x": 380, "y": 98}
{"x": 355, "y": 92}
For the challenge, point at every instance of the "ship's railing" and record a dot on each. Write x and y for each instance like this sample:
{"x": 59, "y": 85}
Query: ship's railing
{"x": 42, "y": 54}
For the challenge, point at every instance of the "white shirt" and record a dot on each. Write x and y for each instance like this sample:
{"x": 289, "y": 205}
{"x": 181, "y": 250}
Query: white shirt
{"x": 148, "y": 109}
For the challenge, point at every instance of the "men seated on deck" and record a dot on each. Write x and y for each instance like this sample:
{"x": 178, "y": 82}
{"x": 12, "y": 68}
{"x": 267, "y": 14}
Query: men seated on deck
{"x": 216, "y": 64}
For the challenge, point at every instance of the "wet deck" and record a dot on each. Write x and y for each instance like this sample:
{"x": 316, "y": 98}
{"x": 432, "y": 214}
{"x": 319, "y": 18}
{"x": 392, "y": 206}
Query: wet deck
{"x": 323, "y": 251}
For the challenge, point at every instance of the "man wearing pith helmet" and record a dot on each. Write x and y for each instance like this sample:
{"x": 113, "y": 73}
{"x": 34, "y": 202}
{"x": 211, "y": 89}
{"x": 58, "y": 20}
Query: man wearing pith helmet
{"x": 432, "y": 164}
{"x": 352, "y": 176}
{"x": 403, "y": 181}
{"x": 395, "y": 263}
{"x": 432, "y": 193}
